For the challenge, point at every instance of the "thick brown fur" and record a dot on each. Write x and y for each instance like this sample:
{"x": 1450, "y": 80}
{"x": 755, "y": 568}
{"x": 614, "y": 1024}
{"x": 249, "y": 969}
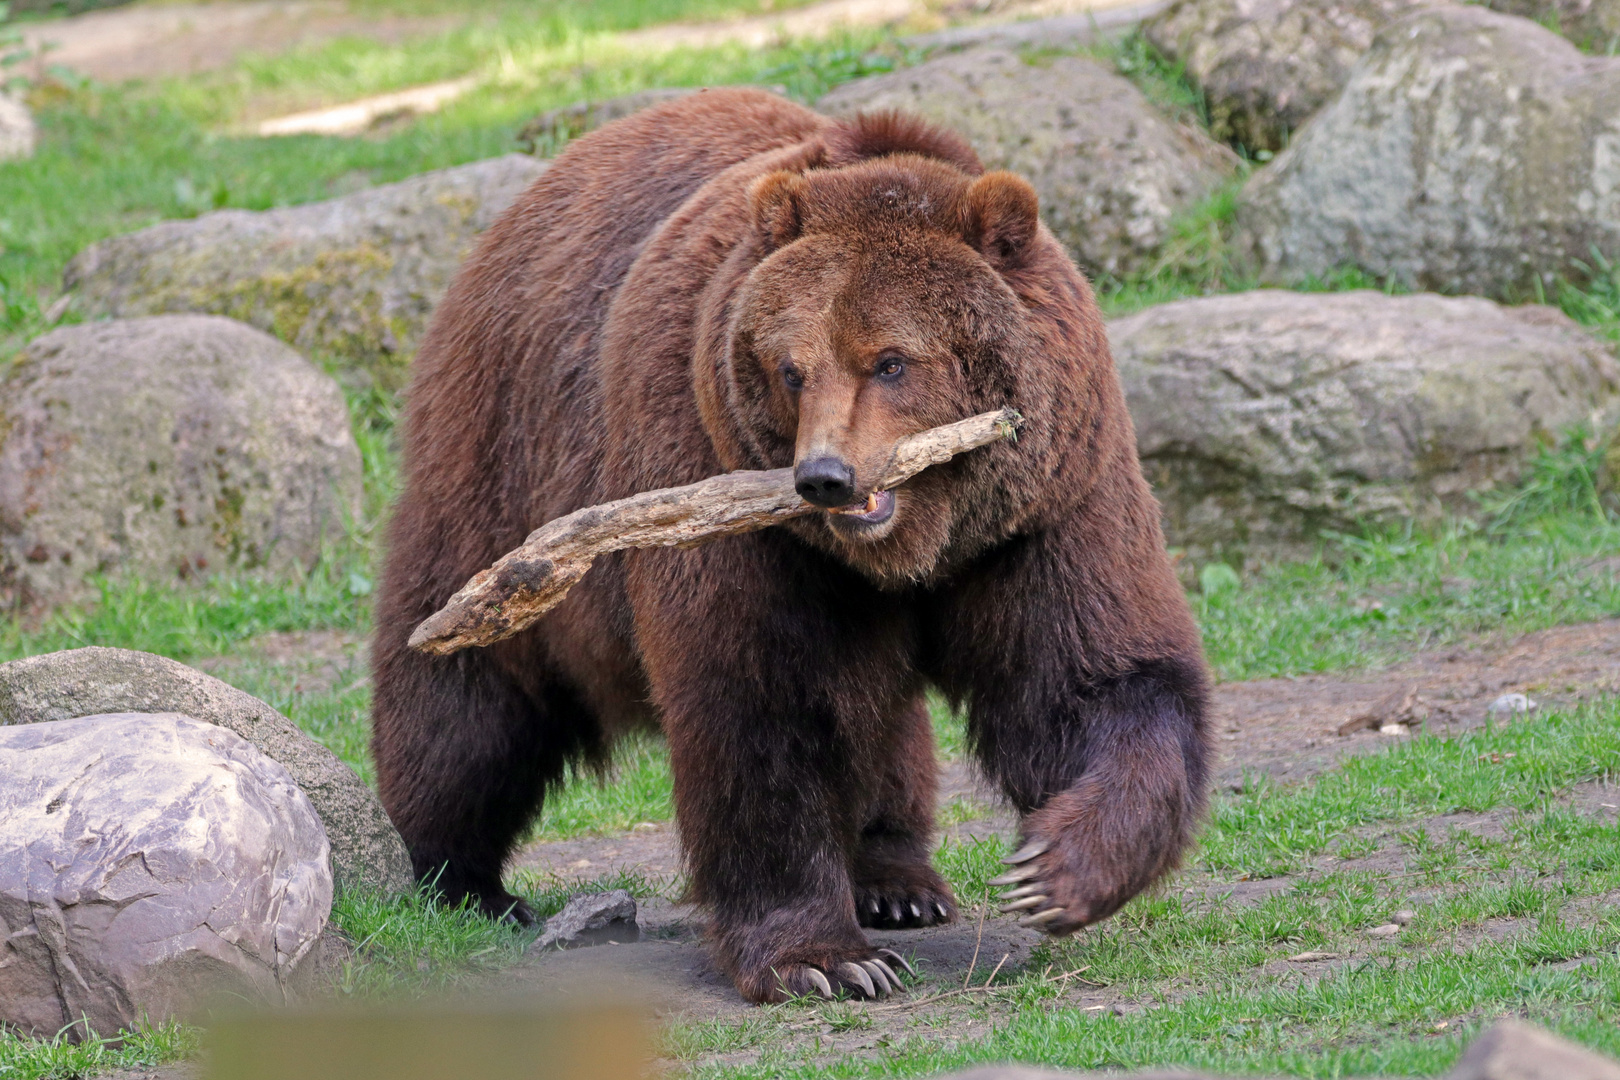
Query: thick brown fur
{"x": 731, "y": 281}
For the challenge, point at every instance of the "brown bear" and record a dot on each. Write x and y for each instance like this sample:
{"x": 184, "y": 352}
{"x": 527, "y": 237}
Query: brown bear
{"x": 731, "y": 281}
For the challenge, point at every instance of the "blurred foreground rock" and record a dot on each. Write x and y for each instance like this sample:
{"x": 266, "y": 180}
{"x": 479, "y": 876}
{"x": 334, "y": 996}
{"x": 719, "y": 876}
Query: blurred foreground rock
{"x": 354, "y": 278}
{"x": 150, "y": 864}
{"x": 17, "y": 132}
{"x": 169, "y": 447}
{"x": 1508, "y": 1050}
{"x": 366, "y": 850}
{"x": 1265, "y": 66}
{"x": 1110, "y": 170}
{"x": 1265, "y": 417}
{"x": 1470, "y": 152}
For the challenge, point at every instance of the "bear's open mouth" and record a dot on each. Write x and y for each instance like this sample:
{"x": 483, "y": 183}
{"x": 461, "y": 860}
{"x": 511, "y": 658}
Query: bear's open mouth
{"x": 878, "y": 508}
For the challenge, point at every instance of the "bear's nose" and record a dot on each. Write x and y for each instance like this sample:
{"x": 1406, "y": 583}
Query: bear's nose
{"x": 825, "y": 481}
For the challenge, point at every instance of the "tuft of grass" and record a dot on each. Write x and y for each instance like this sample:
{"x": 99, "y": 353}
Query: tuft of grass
{"x": 969, "y": 865}
{"x": 1163, "y": 81}
{"x": 637, "y": 789}
{"x": 23, "y": 1058}
{"x": 1596, "y": 302}
{"x": 414, "y": 943}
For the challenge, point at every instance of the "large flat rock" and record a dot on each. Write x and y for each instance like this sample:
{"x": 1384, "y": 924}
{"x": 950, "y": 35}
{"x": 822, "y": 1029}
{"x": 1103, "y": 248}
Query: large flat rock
{"x": 1264, "y": 417}
{"x": 366, "y": 851}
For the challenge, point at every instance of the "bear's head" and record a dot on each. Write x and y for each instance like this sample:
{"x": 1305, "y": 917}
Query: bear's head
{"x": 886, "y": 297}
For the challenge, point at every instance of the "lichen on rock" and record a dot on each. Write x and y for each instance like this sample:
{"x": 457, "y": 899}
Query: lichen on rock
{"x": 1470, "y": 152}
{"x": 170, "y": 447}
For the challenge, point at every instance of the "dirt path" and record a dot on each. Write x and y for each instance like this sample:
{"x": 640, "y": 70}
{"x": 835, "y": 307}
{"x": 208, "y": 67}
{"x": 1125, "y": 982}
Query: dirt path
{"x": 1286, "y": 728}
{"x": 157, "y": 41}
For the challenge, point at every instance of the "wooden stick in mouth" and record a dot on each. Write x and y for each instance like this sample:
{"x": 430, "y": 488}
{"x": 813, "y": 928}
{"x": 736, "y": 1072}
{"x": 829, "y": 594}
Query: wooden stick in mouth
{"x": 529, "y": 581}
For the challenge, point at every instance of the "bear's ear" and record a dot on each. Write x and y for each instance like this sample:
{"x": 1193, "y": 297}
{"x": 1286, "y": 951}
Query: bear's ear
{"x": 774, "y": 199}
{"x": 1002, "y": 217}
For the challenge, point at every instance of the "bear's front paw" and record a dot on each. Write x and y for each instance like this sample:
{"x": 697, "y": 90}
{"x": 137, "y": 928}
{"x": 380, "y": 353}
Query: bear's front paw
{"x": 904, "y": 898}
{"x": 1078, "y": 864}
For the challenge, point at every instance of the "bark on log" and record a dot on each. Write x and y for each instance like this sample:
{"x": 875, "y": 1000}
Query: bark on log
{"x": 529, "y": 581}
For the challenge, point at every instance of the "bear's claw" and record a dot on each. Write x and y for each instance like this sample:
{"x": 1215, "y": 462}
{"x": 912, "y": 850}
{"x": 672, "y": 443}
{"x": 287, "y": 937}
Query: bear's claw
{"x": 895, "y": 958}
{"x": 1015, "y": 875}
{"x": 823, "y": 987}
{"x": 856, "y": 976}
{"x": 873, "y": 978}
{"x": 1027, "y": 852}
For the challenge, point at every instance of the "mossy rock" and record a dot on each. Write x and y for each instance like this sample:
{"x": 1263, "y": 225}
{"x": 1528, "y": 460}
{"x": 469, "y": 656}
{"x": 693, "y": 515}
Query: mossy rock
{"x": 353, "y": 279}
{"x": 168, "y": 447}
{"x": 1469, "y": 152}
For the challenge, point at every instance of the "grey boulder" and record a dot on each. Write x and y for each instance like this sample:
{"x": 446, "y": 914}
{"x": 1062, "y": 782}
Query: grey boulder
{"x": 591, "y": 919}
{"x": 1111, "y": 172}
{"x": 166, "y": 447}
{"x": 1264, "y": 417}
{"x": 366, "y": 850}
{"x": 150, "y": 864}
{"x": 1470, "y": 152}
{"x": 353, "y": 278}
{"x": 17, "y": 131}
{"x": 1265, "y": 66}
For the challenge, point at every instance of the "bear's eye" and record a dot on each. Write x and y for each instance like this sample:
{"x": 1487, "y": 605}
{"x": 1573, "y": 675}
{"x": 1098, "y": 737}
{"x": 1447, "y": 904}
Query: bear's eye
{"x": 889, "y": 368}
{"x": 793, "y": 378}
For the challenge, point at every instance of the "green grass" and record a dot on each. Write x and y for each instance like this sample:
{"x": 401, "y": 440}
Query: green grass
{"x": 113, "y": 160}
{"x": 1371, "y": 600}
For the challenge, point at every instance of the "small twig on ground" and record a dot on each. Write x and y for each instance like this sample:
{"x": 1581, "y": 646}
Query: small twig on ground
{"x": 996, "y": 972}
{"x": 984, "y": 909}
{"x": 932, "y": 998}
{"x": 1076, "y": 974}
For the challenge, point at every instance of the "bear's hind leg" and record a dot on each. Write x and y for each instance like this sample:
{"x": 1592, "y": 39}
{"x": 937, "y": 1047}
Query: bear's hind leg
{"x": 463, "y": 759}
{"x": 895, "y": 885}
